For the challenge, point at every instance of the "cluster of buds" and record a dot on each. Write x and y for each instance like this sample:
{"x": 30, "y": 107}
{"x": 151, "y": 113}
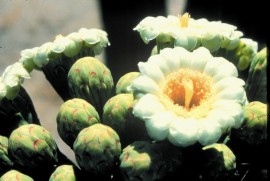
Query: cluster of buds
{"x": 149, "y": 125}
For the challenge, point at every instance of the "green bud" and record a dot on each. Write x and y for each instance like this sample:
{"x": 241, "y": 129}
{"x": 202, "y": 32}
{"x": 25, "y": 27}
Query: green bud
{"x": 14, "y": 175}
{"x": 256, "y": 84}
{"x": 5, "y": 161}
{"x": 245, "y": 52}
{"x": 97, "y": 149}
{"x": 117, "y": 113}
{"x": 63, "y": 173}
{"x": 32, "y": 146}
{"x": 92, "y": 81}
{"x": 219, "y": 161}
{"x": 188, "y": 41}
{"x": 122, "y": 86}
{"x": 73, "y": 116}
{"x": 211, "y": 41}
{"x": 164, "y": 41}
{"x": 144, "y": 161}
{"x": 254, "y": 128}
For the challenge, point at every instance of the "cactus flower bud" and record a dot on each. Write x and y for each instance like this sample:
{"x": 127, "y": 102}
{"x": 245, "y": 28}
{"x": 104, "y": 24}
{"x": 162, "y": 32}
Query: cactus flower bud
{"x": 32, "y": 146}
{"x": 16, "y": 176}
{"x": 63, "y": 172}
{"x": 144, "y": 161}
{"x": 256, "y": 84}
{"x": 73, "y": 116}
{"x": 220, "y": 161}
{"x": 5, "y": 161}
{"x": 254, "y": 128}
{"x": 91, "y": 80}
{"x": 117, "y": 113}
{"x": 97, "y": 149}
{"x": 122, "y": 86}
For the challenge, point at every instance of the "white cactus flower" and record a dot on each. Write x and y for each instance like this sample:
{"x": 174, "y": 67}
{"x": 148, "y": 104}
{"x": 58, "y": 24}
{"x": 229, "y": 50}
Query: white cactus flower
{"x": 69, "y": 45}
{"x": 189, "y": 33}
{"x": 95, "y": 39}
{"x": 11, "y": 80}
{"x": 188, "y": 97}
{"x": 27, "y": 58}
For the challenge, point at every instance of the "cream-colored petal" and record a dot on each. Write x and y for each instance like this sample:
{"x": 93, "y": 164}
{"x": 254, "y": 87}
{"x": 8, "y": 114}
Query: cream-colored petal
{"x": 158, "y": 125}
{"x": 209, "y": 131}
{"x": 200, "y": 58}
{"x": 159, "y": 61}
{"x": 151, "y": 70}
{"x": 233, "y": 109}
{"x": 170, "y": 58}
{"x": 183, "y": 132}
{"x": 219, "y": 68}
{"x": 145, "y": 84}
{"x": 222, "y": 118}
{"x": 147, "y": 106}
{"x": 232, "y": 93}
{"x": 228, "y": 82}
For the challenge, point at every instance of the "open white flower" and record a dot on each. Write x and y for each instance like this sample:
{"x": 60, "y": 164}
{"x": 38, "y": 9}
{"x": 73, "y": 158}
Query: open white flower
{"x": 188, "y": 97}
{"x": 11, "y": 80}
{"x": 189, "y": 33}
{"x": 90, "y": 42}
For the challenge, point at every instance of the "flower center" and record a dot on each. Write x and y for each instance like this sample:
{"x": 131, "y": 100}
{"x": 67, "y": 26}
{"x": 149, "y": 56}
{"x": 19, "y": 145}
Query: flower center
{"x": 184, "y": 20}
{"x": 187, "y": 92}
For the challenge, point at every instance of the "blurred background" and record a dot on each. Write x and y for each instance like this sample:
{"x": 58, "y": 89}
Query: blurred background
{"x": 30, "y": 23}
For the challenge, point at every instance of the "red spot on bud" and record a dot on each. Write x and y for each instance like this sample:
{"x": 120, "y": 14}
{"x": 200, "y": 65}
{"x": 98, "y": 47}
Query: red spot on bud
{"x": 77, "y": 71}
{"x": 93, "y": 73}
{"x": 74, "y": 111}
{"x": 89, "y": 118}
{"x": 252, "y": 115}
{"x": 35, "y": 143}
{"x": 127, "y": 156}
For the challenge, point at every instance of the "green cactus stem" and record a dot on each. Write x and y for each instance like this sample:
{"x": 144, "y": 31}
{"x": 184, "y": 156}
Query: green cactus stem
{"x": 10, "y": 109}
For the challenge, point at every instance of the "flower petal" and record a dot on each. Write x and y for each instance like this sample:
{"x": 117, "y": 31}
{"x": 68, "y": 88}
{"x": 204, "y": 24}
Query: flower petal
{"x": 228, "y": 82}
{"x": 147, "y": 106}
{"x": 145, "y": 84}
{"x": 158, "y": 125}
{"x": 209, "y": 132}
{"x": 183, "y": 132}
{"x": 219, "y": 68}
{"x": 151, "y": 70}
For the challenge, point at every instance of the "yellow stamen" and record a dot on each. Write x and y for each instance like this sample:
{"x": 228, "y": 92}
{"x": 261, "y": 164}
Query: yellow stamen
{"x": 184, "y": 20}
{"x": 189, "y": 91}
